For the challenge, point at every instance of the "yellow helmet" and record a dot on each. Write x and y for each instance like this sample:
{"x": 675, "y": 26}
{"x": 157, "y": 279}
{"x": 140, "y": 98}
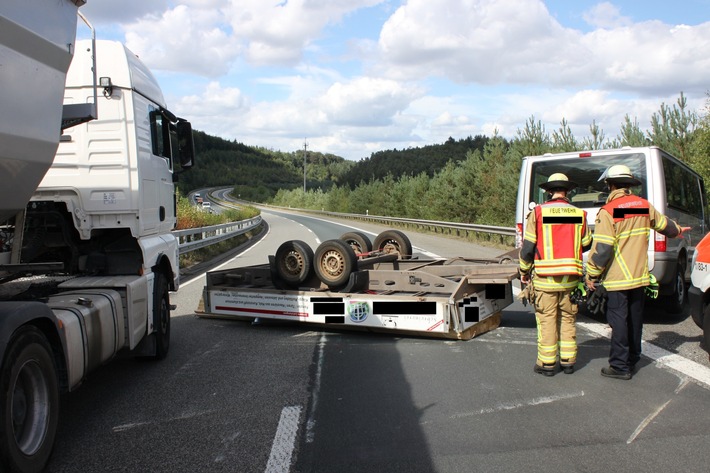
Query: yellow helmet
{"x": 558, "y": 181}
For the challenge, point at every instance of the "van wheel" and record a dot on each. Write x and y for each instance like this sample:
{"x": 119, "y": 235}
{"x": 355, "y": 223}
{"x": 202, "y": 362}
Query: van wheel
{"x": 29, "y": 399}
{"x": 358, "y": 241}
{"x": 334, "y": 261}
{"x": 393, "y": 241}
{"x": 675, "y": 303}
{"x": 294, "y": 262}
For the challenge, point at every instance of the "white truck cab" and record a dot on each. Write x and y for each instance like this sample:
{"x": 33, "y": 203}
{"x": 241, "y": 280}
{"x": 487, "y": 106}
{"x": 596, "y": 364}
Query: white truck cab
{"x": 92, "y": 223}
{"x": 112, "y": 178}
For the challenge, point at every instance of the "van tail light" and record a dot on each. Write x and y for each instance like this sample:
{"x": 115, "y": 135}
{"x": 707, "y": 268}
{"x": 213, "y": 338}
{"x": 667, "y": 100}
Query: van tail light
{"x": 518, "y": 235}
{"x": 659, "y": 243}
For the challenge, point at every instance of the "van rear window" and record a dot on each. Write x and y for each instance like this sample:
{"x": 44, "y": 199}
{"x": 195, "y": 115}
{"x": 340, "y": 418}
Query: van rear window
{"x": 591, "y": 192}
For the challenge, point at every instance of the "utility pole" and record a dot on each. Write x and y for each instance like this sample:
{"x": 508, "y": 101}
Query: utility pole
{"x": 305, "y": 146}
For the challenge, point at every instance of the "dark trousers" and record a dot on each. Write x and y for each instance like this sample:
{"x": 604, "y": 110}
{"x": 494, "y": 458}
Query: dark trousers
{"x": 624, "y": 312}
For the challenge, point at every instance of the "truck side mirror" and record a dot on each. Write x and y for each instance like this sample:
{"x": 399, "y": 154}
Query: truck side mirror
{"x": 186, "y": 144}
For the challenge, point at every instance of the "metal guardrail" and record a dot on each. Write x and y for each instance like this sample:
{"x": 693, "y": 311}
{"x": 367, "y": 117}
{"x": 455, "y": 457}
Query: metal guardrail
{"x": 191, "y": 239}
{"x": 469, "y": 227}
{"x": 433, "y": 225}
{"x": 195, "y": 238}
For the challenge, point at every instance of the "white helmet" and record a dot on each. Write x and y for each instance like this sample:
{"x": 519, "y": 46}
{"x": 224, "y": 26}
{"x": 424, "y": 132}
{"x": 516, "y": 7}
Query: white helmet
{"x": 620, "y": 175}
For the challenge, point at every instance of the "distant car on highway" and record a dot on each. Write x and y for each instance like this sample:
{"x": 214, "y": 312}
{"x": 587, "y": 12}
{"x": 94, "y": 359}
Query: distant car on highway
{"x": 206, "y": 205}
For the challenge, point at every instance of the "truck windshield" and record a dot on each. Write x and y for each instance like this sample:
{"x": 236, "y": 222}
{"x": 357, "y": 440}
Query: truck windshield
{"x": 586, "y": 172}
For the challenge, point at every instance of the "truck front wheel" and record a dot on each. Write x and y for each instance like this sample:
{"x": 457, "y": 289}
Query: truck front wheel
{"x": 29, "y": 398}
{"x": 161, "y": 316}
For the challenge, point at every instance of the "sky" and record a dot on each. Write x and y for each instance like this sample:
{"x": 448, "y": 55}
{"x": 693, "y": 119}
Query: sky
{"x": 353, "y": 77}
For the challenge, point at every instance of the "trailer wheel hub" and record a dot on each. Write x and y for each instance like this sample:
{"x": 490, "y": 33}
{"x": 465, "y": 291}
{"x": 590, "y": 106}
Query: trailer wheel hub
{"x": 333, "y": 263}
{"x": 293, "y": 262}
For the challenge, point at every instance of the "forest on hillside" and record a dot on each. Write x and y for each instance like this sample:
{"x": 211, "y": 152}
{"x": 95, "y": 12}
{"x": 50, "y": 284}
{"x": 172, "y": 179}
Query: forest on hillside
{"x": 471, "y": 180}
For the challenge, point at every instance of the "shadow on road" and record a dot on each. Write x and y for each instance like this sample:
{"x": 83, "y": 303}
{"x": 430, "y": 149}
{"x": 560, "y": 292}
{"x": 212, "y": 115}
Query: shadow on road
{"x": 365, "y": 418}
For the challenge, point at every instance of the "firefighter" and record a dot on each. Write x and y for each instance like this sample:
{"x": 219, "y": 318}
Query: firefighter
{"x": 619, "y": 261}
{"x": 556, "y": 234}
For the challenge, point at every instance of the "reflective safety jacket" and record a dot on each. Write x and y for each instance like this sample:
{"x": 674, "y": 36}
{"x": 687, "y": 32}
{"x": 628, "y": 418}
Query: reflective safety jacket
{"x": 556, "y": 234}
{"x": 621, "y": 234}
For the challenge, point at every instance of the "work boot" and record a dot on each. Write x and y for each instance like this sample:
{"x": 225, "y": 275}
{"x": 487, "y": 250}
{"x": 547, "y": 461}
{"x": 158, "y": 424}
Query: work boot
{"x": 544, "y": 370}
{"x": 610, "y": 372}
{"x": 567, "y": 369}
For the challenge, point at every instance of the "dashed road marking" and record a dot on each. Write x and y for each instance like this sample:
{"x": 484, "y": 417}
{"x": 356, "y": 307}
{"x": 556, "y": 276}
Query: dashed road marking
{"x": 284, "y": 441}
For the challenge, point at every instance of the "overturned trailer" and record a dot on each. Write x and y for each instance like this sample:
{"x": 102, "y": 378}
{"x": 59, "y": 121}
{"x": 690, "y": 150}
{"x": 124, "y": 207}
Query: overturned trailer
{"x": 346, "y": 284}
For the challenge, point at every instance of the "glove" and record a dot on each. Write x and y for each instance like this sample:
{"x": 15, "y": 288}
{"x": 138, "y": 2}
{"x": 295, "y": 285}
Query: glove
{"x": 652, "y": 288}
{"x": 525, "y": 278}
{"x": 527, "y": 295}
{"x": 579, "y": 293}
{"x": 596, "y": 304}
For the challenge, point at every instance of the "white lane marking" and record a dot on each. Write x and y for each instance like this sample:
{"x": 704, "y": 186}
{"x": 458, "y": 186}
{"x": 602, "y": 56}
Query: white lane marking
{"x": 200, "y": 277}
{"x": 311, "y": 421}
{"x": 647, "y": 421}
{"x": 284, "y": 441}
{"x": 660, "y": 356}
{"x": 505, "y": 406}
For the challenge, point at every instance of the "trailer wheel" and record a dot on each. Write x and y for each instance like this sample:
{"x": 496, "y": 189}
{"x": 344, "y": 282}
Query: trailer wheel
{"x": 161, "y": 316}
{"x": 393, "y": 241}
{"x": 29, "y": 398}
{"x": 334, "y": 261}
{"x": 358, "y": 241}
{"x": 294, "y": 262}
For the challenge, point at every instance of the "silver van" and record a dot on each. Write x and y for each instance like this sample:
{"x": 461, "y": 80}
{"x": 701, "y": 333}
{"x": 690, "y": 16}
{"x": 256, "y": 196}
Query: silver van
{"x": 670, "y": 185}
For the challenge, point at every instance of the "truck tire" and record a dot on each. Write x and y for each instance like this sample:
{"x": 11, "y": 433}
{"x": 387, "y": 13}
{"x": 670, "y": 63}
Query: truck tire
{"x": 294, "y": 262}
{"x": 393, "y": 241}
{"x": 334, "y": 261}
{"x": 161, "y": 316}
{"x": 29, "y": 398}
{"x": 358, "y": 241}
{"x": 675, "y": 302}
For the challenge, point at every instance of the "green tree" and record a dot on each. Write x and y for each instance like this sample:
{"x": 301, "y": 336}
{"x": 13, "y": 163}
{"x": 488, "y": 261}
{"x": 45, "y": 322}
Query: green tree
{"x": 672, "y": 128}
{"x": 497, "y": 184}
{"x": 533, "y": 140}
{"x": 596, "y": 138}
{"x": 630, "y": 134}
{"x": 700, "y": 148}
{"x": 563, "y": 140}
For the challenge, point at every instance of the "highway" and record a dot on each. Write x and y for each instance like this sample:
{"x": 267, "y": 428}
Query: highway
{"x": 279, "y": 397}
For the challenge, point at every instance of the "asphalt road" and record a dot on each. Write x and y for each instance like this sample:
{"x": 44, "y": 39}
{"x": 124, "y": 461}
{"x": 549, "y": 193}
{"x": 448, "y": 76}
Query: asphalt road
{"x": 237, "y": 397}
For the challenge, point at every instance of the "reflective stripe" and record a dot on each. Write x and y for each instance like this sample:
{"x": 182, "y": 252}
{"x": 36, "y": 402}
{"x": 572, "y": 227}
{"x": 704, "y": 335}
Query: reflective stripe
{"x": 555, "y": 283}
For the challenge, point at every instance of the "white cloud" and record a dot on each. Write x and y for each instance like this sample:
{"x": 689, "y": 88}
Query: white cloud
{"x": 479, "y": 41}
{"x": 438, "y": 69}
{"x": 184, "y": 40}
{"x": 367, "y": 101}
{"x": 605, "y": 15}
{"x": 215, "y": 101}
{"x": 277, "y": 33}
{"x": 518, "y": 41}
